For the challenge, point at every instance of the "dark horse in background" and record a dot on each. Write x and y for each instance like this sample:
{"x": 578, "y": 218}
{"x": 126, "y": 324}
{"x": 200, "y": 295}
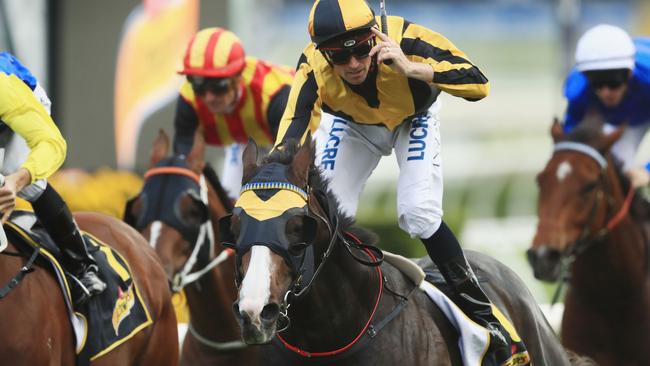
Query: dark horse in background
{"x": 344, "y": 309}
{"x": 593, "y": 223}
{"x": 177, "y": 212}
{"x": 36, "y": 328}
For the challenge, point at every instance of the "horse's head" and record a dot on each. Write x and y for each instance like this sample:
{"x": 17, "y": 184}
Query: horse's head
{"x": 572, "y": 205}
{"x": 172, "y": 209}
{"x": 276, "y": 227}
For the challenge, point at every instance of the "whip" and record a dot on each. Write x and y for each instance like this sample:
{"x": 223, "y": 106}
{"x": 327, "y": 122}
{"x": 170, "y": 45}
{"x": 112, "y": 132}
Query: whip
{"x": 384, "y": 25}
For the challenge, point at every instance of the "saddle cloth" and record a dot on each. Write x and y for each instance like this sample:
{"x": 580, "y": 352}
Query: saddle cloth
{"x": 473, "y": 339}
{"x": 106, "y": 320}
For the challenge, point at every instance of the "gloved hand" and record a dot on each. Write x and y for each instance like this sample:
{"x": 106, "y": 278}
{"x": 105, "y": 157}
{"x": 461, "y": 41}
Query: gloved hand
{"x": 639, "y": 177}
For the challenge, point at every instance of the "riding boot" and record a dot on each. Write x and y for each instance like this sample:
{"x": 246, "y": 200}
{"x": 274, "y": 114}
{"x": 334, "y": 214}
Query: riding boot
{"x": 446, "y": 253}
{"x": 53, "y": 213}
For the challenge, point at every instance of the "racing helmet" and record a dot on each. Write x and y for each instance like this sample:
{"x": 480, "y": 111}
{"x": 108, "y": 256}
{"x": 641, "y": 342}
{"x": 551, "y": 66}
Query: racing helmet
{"x": 605, "y": 47}
{"x": 214, "y": 53}
{"x": 331, "y": 19}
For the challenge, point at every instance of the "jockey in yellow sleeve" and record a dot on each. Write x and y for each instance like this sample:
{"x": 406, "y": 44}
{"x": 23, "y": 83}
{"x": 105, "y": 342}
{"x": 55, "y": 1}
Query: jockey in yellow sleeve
{"x": 231, "y": 97}
{"x": 33, "y": 149}
{"x": 359, "y": 109}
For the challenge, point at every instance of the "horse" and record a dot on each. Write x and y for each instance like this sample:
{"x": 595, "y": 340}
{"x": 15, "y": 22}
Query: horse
{"x": 34, "y": 316}
{"x": 314, "y": 286}
{"x": 182, "y": 228}
{"x": 594, "y": 227}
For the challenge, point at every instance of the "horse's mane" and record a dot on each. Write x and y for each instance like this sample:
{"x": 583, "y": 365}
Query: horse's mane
{"x": 319, "y": 184}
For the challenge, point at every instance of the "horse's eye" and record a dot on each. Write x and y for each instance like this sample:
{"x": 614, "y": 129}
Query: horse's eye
{"x": 134, "y": 210}
{"x": 301, "y": 229}
{"x": 589, "y": 187}
{"x": 193, "y": 211}
{"x": 293, "y": 229}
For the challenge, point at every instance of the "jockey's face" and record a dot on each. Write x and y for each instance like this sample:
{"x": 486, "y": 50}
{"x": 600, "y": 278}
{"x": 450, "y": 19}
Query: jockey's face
{"x": 355, "y": 70}
{"x": 219, "y": 95}
{"x": 611, "y": 97}
{"x": 609, "y": 85}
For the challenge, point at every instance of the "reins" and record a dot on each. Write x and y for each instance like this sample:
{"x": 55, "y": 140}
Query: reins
{"x": 365, "y": 328}
{"x": 24, "y": 270}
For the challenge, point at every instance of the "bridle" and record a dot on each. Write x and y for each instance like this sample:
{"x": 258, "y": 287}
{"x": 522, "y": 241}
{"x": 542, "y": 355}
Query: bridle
{"x": 589, "y": 238}
{"x": 297, "y": 288}
{"x": 204, "y": 237}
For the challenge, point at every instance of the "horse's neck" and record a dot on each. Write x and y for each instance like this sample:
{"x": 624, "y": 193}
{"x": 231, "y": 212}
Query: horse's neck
{"x": 336, "y": 307}
{"x": 621, "y": 261}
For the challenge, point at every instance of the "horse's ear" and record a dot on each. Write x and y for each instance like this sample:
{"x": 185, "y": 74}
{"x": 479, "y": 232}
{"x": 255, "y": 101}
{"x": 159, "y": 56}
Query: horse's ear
{"x": 612, "y": 137}
{"x": 195, "y": 158}
{"x": 160, "y": 148}
{"x": 556, "y": 131}
{"x": 249, "y": 159}
{"x": 303, "y": 159}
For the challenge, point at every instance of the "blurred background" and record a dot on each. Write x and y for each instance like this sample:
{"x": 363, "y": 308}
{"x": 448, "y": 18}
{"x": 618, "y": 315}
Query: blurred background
{"x": 109, "y": 68}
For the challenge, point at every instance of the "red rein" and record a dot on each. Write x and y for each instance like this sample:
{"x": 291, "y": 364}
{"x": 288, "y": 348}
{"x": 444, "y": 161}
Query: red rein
{"x": 304, "y": 353}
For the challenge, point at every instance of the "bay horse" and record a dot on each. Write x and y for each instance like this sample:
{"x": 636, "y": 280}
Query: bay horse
{"x": 593, "y": 226}
{"x": 177, "y": 211}
{"x": 36, "y": 329}
{"x": 314, "y": 286}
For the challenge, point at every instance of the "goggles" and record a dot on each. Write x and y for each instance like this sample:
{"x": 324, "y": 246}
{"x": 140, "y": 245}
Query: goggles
{"x": 341, "y": 54}
{"x": 612, "y": 79}
{"x": 216, "y": 86}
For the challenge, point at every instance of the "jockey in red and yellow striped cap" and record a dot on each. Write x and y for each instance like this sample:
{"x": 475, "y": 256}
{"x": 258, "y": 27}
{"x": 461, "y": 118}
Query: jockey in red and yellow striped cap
{"x": 231, "y": 97}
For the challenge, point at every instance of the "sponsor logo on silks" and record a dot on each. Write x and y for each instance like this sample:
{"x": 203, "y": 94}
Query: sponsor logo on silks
{"x": 417, "y": 136}
{"x": 123, "y": 304}
{"x": 332, "y": 144}
{"x": 349, "y": 43}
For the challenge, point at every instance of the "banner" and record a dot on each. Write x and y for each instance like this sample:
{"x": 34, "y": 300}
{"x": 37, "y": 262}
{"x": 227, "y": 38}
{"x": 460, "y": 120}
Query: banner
{"x": 151, "y": 50}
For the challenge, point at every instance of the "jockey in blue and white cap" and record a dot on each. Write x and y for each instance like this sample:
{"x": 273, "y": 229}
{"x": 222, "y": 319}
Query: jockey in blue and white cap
{"x": 612, "y": 75}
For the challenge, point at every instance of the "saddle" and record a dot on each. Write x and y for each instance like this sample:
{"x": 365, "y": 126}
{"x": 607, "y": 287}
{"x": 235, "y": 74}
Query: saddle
{"x": 107, "y": 319}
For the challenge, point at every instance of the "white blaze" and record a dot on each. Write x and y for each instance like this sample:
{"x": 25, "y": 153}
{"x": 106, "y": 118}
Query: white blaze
{"x": 156, "y": 226}
{"x": 256, "y": 286}
{"x": 563, "y": 170}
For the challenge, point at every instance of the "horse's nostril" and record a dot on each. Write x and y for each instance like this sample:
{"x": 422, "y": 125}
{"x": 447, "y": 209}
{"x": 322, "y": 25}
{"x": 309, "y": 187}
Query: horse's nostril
{"x": 532, "y": 256}
{"x": 270, "y": 313}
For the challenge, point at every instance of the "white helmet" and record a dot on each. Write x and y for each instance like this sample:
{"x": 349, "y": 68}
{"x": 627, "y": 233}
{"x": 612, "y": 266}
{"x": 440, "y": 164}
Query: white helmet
{"x": 605, "y": 47}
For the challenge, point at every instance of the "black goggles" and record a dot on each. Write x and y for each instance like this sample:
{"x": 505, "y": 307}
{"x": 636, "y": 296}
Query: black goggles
{"x": 341, "y": 56}
{"x": 612, "y": 79}
{"x": 216, "y": 86}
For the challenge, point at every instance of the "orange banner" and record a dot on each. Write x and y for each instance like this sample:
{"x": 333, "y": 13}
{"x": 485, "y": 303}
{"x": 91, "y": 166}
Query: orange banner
{"x": 151, "y": 51}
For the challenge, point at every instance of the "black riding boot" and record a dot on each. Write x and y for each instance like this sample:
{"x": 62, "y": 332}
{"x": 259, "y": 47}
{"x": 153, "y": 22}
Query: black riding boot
{"x": 53, "y": 213}
{"x": 446, "y": 253}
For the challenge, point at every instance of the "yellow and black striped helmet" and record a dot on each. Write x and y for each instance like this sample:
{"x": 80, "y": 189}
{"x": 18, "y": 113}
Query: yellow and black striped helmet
{"x": 329, "y": 19}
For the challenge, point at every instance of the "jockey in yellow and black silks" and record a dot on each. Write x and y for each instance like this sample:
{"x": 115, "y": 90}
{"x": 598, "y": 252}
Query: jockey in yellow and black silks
{"x": 359, "y": 108}
{"x": 231, "y": 97}
{"x": 33, "y": 150}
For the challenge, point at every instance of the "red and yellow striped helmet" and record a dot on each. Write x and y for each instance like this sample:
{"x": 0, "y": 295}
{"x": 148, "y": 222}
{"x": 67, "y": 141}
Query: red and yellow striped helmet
{"x": 214, "y": 52}
{"x": 330, "y": 19}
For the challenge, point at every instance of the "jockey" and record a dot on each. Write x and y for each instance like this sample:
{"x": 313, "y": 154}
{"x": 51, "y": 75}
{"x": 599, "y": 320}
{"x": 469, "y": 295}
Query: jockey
{"x": 360, "y": 109}
{"x": 612, "y": 75}
{"x": 33, "y": 150}
{"x": 232, "y": 97}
